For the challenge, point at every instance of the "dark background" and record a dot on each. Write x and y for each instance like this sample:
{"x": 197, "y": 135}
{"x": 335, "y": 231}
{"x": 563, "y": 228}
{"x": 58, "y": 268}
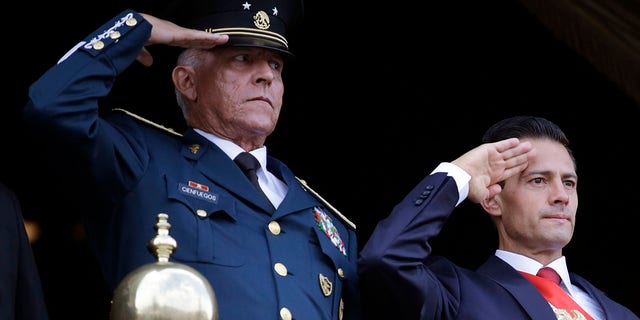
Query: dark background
{"x": 404, "y": 87}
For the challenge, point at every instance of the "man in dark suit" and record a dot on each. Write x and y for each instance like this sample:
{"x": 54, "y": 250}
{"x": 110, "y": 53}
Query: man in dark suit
{"x": 524, "y": 175}
{"x": 21, "y": 295}
{"x": 289, "y": 256}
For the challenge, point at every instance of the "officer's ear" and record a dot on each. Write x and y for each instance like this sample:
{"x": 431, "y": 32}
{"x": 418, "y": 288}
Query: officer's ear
{"x": 183, "y": 79}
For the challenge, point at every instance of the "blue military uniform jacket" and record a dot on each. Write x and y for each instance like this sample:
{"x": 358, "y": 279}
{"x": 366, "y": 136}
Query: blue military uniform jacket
{"x": 400, "y": 279}
{"x": 299, "y": 260}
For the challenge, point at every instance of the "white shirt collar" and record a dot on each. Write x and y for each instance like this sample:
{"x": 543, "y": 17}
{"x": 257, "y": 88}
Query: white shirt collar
{"x": 528, "y": 265}
{"x": 233, "y": 150}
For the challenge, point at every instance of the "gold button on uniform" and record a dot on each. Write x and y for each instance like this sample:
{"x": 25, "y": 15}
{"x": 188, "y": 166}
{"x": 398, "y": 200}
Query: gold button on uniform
{"x": 98, "y": 45}
{"x": 201, "y": 213}
{"x": 274, "y": 227}
{"x": 115, "y": 35}
{"x": 285, "y": 314}
{"x": 340, "y": 273}
{"x": 280, "y": 269}
{"x": 131, "y": 22}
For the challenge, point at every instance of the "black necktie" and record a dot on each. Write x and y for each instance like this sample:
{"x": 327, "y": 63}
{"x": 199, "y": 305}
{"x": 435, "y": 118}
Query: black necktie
{"x": 249, "y": 165}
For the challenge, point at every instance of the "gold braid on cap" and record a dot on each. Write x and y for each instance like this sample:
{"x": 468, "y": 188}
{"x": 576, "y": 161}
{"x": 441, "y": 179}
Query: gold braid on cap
{"x": 270, "y": 35}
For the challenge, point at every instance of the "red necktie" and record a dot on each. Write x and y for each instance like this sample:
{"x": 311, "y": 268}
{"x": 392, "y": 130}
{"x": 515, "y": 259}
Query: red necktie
{"x": 547, "y": 281}
{"x": 549, "y": 274}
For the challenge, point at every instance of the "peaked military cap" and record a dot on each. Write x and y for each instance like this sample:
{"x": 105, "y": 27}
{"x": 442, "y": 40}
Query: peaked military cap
{"x": 254, "y": 23}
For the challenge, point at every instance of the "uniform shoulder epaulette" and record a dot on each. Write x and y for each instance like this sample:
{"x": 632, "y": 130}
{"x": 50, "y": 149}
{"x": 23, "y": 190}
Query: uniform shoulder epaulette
{"x": 326, "y": 203}
{"x": 147, "y": 121}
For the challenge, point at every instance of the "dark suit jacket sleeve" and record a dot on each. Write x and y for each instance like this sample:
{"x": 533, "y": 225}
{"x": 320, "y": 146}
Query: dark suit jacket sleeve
{"x": 394, "y": 274}
{"x": 21, "y": 295}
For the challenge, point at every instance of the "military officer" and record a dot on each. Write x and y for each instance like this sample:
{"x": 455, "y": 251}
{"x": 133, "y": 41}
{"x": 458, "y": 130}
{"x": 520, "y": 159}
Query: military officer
{"x": 291, "y": 256}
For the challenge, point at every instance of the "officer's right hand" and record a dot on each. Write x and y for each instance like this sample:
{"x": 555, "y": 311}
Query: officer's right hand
{"x": 168, "y": 33}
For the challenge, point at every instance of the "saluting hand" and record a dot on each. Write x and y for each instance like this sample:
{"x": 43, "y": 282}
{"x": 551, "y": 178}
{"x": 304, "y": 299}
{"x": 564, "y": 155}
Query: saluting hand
{"x": 491, "y": 163}
{"x": 171, "y": 34}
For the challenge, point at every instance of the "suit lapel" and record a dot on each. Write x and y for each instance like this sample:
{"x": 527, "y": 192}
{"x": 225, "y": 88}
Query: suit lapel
{"x": 519, "y": 287}
{"x": 596, "y": 294}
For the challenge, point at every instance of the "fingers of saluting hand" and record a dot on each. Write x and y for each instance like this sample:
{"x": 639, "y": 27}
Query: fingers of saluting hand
{"x": 491, "y": 163}
{"x": 169, "y": 33}
{"x": 492, "y": 159}
{"x": 515, "y": 157}
{"x": 198, "y": 39}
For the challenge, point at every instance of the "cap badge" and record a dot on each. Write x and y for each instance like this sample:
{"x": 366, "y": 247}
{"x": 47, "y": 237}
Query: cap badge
{"x": 325, "y": 285}
{"x": 325, "y": 224}
{"x": 261, "y": 20}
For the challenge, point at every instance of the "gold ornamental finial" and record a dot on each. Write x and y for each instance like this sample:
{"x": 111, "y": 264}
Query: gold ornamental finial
{"x": 162, "y": 245}
{"x": 164, "y": 290}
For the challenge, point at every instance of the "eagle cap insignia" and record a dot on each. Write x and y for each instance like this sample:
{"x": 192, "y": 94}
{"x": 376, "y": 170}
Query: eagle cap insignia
{"x": 261, "y": 20}
{"x": 326, "y": 225}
